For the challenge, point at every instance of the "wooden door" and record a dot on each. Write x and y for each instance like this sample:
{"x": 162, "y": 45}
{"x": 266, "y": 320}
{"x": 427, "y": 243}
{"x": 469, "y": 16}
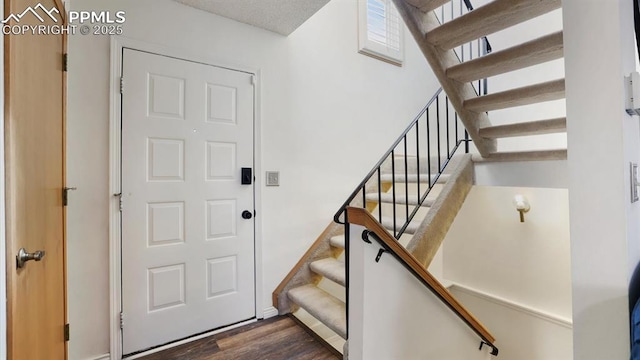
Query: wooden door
{"x": 187, "y": 218}
{"x": 34, "y": 153}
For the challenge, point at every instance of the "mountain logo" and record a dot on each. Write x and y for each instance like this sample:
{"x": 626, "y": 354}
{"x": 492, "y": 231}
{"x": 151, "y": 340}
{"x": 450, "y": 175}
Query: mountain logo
{"x": 34, "y": 11}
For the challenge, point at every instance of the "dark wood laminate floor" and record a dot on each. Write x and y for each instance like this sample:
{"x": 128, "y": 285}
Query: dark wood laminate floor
{"x": 279, "y": 338}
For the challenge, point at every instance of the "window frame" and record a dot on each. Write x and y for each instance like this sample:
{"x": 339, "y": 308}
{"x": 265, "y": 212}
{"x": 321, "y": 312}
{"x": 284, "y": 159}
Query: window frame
{"x": 376, "y": 49}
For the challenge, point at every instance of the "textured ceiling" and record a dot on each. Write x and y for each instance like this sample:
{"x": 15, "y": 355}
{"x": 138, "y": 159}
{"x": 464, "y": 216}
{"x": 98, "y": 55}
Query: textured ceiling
{"x": 280, "y": 16}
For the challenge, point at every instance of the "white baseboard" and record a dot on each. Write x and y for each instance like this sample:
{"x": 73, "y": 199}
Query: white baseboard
{"x": 528, "y": 310}
{"x": 102, "y": 357}
{"x": 269, "y": 312}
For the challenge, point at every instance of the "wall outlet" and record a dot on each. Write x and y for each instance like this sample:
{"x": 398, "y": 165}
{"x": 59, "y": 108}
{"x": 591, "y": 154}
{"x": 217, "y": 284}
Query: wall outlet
{"x": 273, "y": 178}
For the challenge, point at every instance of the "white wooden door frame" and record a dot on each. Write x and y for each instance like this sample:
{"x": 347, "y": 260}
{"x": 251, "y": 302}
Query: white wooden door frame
{"x": 118, "y": 43}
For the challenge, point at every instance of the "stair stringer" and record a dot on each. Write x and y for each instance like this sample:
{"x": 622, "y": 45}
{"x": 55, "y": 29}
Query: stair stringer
{"x": 301, "y": 274}
{"x": 433, "y": 229}
{"x": 419, "y": 23}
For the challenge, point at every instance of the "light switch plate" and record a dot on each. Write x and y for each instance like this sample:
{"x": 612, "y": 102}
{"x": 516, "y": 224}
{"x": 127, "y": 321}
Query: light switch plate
{"x": 273, "y": 178}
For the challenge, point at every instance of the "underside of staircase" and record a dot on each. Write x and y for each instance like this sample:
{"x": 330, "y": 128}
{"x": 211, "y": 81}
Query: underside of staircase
{"x": 438, "y": 42}
{"x": 305, "y": 287}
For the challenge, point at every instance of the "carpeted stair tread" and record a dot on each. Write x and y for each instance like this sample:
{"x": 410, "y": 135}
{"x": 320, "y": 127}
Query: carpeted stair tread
{"x": 337, "y": 241}
{"x": 323, "y": 306}
{"x": 330, "y": 268}
{"x": 535, "y": 155}
{"x": 495, "y": 16}
{"x": 400, "y": 199}
{"x": 538, "y": 127}
{"x": 540, "y": 50}
{"x": 387, "y": 222}
{"x": 526, "y": 95}
{"x": 413, "y": 178}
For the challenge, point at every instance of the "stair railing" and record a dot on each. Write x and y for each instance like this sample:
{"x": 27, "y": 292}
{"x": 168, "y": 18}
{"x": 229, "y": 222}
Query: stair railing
{"x": 374, "y": 232}
{"x": 423, "y": 136}
{"x": 473, "y": 49}
{"x": 427, "y": 145}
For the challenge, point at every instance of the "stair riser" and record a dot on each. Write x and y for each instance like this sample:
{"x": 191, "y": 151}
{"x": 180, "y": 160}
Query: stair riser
{"x": 387, "y": 211}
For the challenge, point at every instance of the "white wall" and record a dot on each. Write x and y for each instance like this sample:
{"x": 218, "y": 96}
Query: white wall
{"x": 489, "y": 249}
{"x": 522, "y": 334}
{"x": 327, "y": 115}
{"x": 605, "y": 226}
{"x": 392, "y": 315}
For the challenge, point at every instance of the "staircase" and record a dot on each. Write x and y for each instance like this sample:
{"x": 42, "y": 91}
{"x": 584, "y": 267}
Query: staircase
{"x": 417, "y": 197}
{"x": 438, "y": 42}
{"x": 315, "y": 291}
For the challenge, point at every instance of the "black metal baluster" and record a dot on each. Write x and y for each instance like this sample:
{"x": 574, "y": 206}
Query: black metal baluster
{"x": 406, "y": 179}
{"x": 428, "y": 152}
{"x": 393, "y": 187}
{"x": 364, "y": 197}
{"x": 379, "y": 196}
{"x": 466, "y": 141}
{"x": 437, "y": 131}
{"x": 446, "y": 99}
{"x": 418, "y": 155}
{"x": 461, "y": 46}
{"x": 456, "y": 120}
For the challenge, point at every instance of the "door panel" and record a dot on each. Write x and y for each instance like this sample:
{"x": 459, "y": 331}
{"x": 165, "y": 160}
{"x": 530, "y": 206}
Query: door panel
{"x": 34, "y": 150}
{"x": 188, "y": 255}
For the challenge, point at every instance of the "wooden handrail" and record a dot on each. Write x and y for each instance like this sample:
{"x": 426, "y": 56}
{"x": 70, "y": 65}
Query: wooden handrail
{"x": 362, "y": 217}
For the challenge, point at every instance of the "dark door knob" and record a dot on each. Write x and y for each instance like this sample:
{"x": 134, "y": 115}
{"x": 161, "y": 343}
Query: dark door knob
{"x": 247, "y": 214}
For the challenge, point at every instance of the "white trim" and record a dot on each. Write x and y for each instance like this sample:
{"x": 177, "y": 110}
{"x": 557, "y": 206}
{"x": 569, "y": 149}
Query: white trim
{"x": 366, "y": 46}
{"x": 101, "y": 357}
{"x": 257, "y": 174}
{"x": 270, "y": 312}
{"x": 525, "y": 309}
{"x": 193, "y": 338}
{"x": 118, "y": 43}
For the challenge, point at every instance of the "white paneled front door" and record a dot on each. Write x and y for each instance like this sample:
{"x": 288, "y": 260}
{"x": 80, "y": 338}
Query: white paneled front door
{"x": 187, "y": 251}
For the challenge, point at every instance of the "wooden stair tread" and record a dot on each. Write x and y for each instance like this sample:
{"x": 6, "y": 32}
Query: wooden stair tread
{"x": 400, "y": 199}
{"x": 387, "y": 222}
{"x": 534, "y": 155}
{"x": 414, "y": 178}
{"x": 538, "y": 127}
{"x": 532, "y": 94}
{"x": 331, "y": 268}
{"x": 495, "y": 16}
{"x": 326, "y": 308}
{"x": 427, "y": 5}
{"x": 538, "y": 51}
{"x": 337, "y": 241}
